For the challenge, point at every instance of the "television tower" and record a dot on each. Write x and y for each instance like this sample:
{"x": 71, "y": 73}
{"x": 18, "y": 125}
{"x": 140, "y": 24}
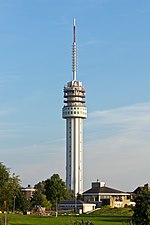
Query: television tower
{"x": 74, "y": 111}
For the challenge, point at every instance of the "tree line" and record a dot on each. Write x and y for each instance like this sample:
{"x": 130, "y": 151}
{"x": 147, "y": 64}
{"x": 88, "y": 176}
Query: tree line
{"x": 48, "y": 193}
{"x": 141, "y": 211}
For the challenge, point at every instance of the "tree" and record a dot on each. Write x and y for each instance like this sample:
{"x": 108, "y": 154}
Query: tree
{"x": 55, "y": 189}
{"x": 40, "y": 186}
{"x": 21, "y": 202}
{"x": 9, "y": 187}
{"x": 45, "y": 203}
{"x": 69, "y": 194}
{"x": 36, "y": 199}
{"x": 39, "y": 199}
{"x": 141, "y": 215}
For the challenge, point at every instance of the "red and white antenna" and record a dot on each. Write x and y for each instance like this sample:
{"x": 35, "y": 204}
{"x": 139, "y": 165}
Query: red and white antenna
{"x": 74, "y": 52}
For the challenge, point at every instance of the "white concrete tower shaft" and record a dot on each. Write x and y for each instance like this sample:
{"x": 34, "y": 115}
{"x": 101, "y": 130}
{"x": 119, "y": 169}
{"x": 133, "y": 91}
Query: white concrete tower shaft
{"x": 74, "y": 111}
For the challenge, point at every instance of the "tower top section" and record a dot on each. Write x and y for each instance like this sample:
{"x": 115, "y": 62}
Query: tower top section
{"x": 74, "y": 92}
{"x": 74, "y": 52}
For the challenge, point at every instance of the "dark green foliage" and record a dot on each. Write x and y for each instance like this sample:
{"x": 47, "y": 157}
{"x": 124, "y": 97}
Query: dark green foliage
{"x": 69, "y": 194}
{"x": 9, "y": 187}
{"x": 21, "y": 202}
{"x": 36, "y": 198}
{"x": 4, "y": 175}
{"x": 141, "y": 215}
{"x": 40, "y": 187}
{"x": 39, "y": 199}
{"x": 4, "y": 179}
{"x": 55, "y": 189}
{"x": 79, "y": 197}
{"x": 106, "y": 202}
{"x": 50, "y": 191}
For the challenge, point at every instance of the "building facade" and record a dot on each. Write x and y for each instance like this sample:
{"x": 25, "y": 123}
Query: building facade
{"x": 76, "y": 206}
{"x": 74, "y": 111}
{"x": 100, "y": 194}
{"x": 28, "y": 191}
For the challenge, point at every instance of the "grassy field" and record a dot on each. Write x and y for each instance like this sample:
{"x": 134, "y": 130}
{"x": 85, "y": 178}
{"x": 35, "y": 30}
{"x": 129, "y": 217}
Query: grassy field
{"x": 107, "y": 211}
{"x": 101, "y": 217}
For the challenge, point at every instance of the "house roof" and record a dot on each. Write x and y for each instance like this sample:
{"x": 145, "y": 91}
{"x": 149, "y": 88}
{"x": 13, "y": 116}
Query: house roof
{"x": 74, "y": 202}
{"x": 104, "y": 190}
{"x": 71, "y": 202}
{"x": 140, "y": 188}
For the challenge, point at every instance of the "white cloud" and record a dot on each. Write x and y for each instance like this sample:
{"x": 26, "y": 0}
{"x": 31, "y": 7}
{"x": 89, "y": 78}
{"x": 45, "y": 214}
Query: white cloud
{"x": 36, "y": 162}
{"x": 117, "y": 146}
{"x": 116, "y": 150}
{"x": 132, "y": 118}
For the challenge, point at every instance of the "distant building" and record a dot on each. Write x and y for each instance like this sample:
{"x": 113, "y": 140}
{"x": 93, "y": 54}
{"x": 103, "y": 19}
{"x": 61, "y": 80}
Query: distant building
{"x": 76, "y": 206}
{"x": 141, "y": 188}
{"x": 101, "y": 194}
{"x": 28, "y": 191}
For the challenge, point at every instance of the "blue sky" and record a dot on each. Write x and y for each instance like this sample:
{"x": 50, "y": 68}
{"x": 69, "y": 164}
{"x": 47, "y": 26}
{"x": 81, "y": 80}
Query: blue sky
{"x": 113, "y": 39}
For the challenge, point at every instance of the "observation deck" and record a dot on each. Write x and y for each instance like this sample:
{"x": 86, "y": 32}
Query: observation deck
{"x": 74, "y": 95}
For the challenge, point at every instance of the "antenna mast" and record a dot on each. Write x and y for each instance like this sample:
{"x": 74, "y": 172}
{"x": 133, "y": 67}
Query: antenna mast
{"x": 74, "y": 52}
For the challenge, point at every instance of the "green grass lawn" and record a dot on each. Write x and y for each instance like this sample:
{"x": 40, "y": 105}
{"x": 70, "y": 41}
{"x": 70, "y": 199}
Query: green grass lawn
{"x": 65, "y": 220}
{"x": 100, "y": 217}
{"x": 107, "y": 211}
